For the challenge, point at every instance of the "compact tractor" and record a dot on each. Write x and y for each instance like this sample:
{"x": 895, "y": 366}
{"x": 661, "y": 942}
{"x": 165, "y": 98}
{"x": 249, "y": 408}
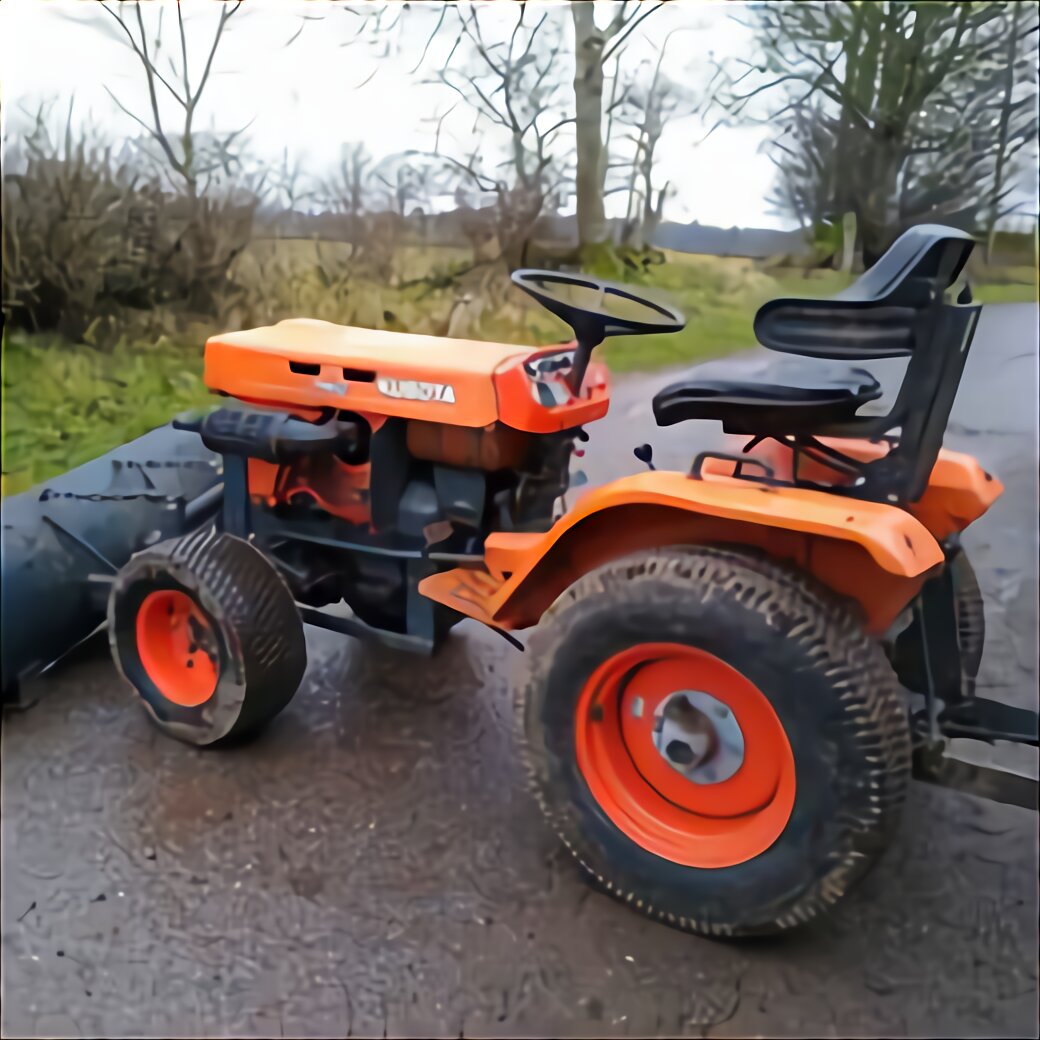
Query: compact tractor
{"x": 731, "y": 671}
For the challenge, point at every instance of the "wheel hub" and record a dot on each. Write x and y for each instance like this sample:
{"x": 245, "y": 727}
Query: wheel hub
{"x": 177, "y": 647}
{"x": 698, "y": 736}
{"x": 669, "y": 762}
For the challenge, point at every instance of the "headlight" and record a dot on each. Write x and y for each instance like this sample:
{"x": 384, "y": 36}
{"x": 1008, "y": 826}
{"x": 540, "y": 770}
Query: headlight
{"x": 548, "y": 374}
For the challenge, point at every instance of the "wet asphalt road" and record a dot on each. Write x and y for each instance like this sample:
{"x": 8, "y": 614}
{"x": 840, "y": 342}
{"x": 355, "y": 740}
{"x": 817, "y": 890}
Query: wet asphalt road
{"x": 373, "y": 865}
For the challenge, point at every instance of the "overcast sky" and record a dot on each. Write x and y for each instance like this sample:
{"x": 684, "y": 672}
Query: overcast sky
{"x": 307, "y": 97}
{"x": 324, "y": 92}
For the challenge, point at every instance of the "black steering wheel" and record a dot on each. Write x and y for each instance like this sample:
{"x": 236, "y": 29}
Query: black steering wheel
{"x": 595, "y": 309}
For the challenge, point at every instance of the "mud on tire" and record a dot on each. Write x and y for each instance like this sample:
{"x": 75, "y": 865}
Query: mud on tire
{"x": 905, "y": 650}
{"x": 830, "y": 686}
{"x": 245, "y": 630}
{"x": 971, "y": 615}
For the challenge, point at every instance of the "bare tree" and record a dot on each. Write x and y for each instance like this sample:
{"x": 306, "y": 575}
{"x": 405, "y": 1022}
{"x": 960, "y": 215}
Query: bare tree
{"x": 887, "y": 109}
{"x": 344, "y": 191}
{"x": 189, "y": 159}
{"x": 410, "y": 186}
{"x": 352, "y": 195}
{"x": 511, "y": 82}
{"x": 204, "y": 231}
{"x": 646, "y": 109}
{"x": 512, "y": 85}
{"x": 593, "y": 47}
{"x": 291, "y": 182}
{"x": 1017, "y": 118}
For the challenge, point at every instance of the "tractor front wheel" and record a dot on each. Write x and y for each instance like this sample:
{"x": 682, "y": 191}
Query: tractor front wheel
{"x": 208, "y": 635}
{"x": 714, "y": 738}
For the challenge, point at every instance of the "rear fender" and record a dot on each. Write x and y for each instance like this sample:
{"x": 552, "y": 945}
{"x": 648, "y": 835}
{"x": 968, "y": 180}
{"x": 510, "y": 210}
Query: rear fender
{"x": 959, "y": 490}
{"x": 876, "y": 555}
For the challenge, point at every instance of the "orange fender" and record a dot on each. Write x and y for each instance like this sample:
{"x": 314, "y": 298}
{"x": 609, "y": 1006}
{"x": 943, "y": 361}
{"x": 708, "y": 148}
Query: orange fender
{"x": 959, "y": 490}
{"x": 874, "y": 554}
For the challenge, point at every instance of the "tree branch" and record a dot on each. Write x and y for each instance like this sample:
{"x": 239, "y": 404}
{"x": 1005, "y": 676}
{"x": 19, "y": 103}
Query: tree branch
{"x": 184, "y": 49}
{"x": 629, "y": 29}
{"x": 163, "y": 143}
{"x": 226, "y": 13}
{"x": 429, "y": 40}
{"x": 137, "y": 50}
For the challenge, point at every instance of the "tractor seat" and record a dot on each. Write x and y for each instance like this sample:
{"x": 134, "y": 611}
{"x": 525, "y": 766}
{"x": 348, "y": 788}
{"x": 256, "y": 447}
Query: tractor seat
{"x": 801, "y": 400}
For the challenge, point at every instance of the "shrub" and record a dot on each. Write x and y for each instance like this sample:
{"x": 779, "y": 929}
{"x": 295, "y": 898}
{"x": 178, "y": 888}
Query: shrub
{"x": 66, "y": 215}
{"x": 94, "y": 249}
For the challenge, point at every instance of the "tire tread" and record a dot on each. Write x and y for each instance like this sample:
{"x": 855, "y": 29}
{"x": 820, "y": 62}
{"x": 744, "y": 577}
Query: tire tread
{"x": 872, "y": 707}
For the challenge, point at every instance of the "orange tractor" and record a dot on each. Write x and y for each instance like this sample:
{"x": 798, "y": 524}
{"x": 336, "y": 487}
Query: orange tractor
{"x": 712, "y": 709}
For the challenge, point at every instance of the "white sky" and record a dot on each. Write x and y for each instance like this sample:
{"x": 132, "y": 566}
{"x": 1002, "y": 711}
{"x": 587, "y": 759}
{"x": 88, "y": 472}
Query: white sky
{"x": 307, "y": 97}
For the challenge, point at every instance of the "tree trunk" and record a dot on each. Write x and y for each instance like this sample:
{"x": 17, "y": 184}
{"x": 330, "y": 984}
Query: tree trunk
{"x": 652, "y": 216}
{"x": 588, "y": 112}
{"x": 875, "y": 216}
{"x": 631, "y": 206}
{"x": 842, "y": 188}
{"x": 848, "y": 242}
{"x": 635, "y": 231}
{"x": 1002, "y": 137}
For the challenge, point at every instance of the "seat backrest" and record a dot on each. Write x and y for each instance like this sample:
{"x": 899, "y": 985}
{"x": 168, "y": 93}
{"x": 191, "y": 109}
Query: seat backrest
{"x": 923, "y": 405}
{"x": 897, "y": 308}
{"x": 879, "y": 315}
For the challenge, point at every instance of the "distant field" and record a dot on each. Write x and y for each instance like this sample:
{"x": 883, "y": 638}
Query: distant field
{"x": 410, "y": 261}
{"x": 92, "y": 401}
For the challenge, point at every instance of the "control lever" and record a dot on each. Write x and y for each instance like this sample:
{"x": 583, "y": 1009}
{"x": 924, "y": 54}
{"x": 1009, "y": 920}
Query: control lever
{"x": 645, "y": 454}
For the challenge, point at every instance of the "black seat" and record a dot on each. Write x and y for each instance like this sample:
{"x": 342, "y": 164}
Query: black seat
{"x": 898, "y": 308}
{"x": 801, "y": 399}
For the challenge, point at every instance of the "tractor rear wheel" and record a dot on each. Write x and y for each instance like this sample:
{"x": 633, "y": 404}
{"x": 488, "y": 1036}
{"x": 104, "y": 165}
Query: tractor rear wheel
{"x": 905, "y": 649}
{"x": 971, "y": 616}
{"x": 208, "y": 635}
{"x": 714, "y": 738}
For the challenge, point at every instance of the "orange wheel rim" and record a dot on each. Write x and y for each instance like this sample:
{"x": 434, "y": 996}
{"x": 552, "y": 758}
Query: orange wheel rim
{"x": 177, "y": 647}
{"x": 730, "y": 793}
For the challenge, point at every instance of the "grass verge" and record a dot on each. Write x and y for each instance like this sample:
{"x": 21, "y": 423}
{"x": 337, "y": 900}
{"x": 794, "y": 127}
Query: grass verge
{"x": 66, "y": 403}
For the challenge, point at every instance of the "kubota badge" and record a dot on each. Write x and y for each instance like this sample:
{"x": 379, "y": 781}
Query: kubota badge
{"x": 413, "y": 390}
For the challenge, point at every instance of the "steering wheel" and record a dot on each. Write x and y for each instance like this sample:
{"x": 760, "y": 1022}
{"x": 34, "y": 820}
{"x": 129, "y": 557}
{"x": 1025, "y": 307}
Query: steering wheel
{"x": 595, "y": 309}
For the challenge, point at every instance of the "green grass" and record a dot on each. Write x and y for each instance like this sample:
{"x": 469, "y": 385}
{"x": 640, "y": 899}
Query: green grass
{"x": 1008, "y": 292}
{"x": 66, "y": 403}
{"x": 988, "y": 285}
{"x": 719, "y": 297}
{"x": 712, "y": 332}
